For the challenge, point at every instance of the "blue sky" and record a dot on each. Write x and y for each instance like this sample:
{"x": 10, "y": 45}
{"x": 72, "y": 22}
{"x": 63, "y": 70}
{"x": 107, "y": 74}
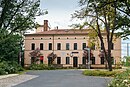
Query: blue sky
{"x": 59, "y": 14}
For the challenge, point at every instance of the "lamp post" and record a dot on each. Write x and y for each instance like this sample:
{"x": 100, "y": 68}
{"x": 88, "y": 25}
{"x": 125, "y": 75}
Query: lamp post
{"x": 88, "y": 49}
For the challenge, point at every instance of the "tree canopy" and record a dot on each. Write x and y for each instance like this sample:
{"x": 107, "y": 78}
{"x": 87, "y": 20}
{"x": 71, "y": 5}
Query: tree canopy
{"x": 104, "y": 16}
{"x": 16, "y": 16}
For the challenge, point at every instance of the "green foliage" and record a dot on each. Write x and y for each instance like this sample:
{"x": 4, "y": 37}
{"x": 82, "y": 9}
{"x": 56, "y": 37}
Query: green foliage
{"x": 100, "y": 73}
{"x": 127, "y": 63}
{"x": 41, "y": 67}
{"x": 16, "y": 16}
{"x": 9, "y": 68}
{"x": 9, "y": 48}
{"x": 121, "y": 80}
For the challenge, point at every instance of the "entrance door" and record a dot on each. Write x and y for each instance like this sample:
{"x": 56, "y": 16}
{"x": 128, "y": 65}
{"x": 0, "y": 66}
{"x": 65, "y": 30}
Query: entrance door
{"x": 75, "y": 61}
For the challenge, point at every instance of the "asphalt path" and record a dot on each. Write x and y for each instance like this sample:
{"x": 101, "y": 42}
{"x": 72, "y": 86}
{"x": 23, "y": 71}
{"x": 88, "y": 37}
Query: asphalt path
{"x": 63, "y": 78}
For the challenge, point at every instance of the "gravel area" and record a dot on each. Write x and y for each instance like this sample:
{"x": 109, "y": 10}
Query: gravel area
{"x": 15, "y": 80}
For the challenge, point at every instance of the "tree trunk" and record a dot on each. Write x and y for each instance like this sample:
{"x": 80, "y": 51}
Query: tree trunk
{"x": 109, "y": 63}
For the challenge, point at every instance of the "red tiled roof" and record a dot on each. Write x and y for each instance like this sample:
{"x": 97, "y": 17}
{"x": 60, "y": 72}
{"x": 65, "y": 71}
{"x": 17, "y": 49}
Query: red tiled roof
{"x": 62, "y": 31}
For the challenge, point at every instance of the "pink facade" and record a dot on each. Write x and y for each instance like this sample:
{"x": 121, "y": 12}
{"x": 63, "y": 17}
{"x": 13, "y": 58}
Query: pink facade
{"x": 68, "y": 46}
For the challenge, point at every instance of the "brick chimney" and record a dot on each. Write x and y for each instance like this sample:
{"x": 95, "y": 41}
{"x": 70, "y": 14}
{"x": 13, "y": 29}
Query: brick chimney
{"x": 45, "y": 25}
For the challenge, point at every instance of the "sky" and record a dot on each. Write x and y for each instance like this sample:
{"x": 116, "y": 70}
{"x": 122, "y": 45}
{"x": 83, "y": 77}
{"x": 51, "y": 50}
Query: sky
{"x": 59, "y": 14}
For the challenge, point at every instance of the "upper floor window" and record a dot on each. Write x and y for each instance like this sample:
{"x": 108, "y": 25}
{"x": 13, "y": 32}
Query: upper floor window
{"x": 33, "y": 46}
{"x": 67, "y": 46}
{"x": 83, "y": 46}
{"x": 58, "y": 46}
{"x": 41, "y": 46}
{"x": 50, "y": 46}
{"x": 75, "y": 46}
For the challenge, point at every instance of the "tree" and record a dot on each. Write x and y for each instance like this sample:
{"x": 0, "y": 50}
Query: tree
{"x": 35, "y": 55}
{"x": 103, "y": 17}
{"x": 9, "y": 48}
{"x": 16, "y": 16}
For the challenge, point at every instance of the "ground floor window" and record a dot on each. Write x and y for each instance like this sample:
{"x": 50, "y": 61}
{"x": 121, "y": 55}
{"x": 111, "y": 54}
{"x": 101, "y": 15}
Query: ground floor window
{"x": 32, "y": 60}
{"x": 49, "y": 60}
{"x": 102, "y": 60}
{"x": 93, "y": 60}
{"x": 58, "y": 60}
{"x": 112, "y": 60}
{"x": 41, "y": 59}
{"x": 83, "y": 60}
{"x": 67, "y": 60}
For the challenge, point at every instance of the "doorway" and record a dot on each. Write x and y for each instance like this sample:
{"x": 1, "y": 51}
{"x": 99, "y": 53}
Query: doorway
{"x": 75, "y": 61}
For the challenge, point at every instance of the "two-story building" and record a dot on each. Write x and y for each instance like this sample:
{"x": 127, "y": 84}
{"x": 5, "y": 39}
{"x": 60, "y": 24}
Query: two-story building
{"x": 66, "y": 47}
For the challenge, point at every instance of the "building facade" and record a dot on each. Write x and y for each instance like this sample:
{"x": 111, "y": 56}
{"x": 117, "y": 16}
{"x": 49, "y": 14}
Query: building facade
{"x": 66, "y": 47}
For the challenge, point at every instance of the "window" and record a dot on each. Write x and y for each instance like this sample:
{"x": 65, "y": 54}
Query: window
{"x": 67, "y": 60}
{"x": 83, "y": 60}
{"x": 50, "y": 46}
{"x": 83, "y": 46}
{"x": 58, "y": 46}
{"x": 67, "y": 46}
{"x": 58, "y": 60}
{"x": 41, "y": 59}
{"x": 41, "y": 46}
{"x": 49, "y": 60}
{"x": 112, "y": 46}
{"x": 33, "y": 46}
{"x": 32, "y": 60}
{"x": 93, "y": 60}
{"x": 112, "y": 60}
{"x": 75, "y": 46}
{"x": 102, "y": 60}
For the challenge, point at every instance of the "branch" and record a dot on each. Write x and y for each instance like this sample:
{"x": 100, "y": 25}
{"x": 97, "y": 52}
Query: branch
{"x": 3, "y": 12}
{"x": 96, "y": 17}
{"x": 14, "y": 14}
{"x": 92, "y": 27}
{"x": 127, "y": 6}
{"x": 124, "y": 12}
{"x": 114, "y": 23}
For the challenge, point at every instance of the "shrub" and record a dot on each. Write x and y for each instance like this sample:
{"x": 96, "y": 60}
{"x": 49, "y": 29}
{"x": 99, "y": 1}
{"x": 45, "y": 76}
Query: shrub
{"x": 9, "y": 67}
{"x": 2, "y": 72}
{"x": 41, "y": 67}
{"x": 121, "y": 80}
{"x": 99, "y": 73}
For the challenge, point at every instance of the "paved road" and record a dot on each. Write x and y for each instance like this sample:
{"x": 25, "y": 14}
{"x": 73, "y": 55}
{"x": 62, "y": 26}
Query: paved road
{"x": 63, "y": 78}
